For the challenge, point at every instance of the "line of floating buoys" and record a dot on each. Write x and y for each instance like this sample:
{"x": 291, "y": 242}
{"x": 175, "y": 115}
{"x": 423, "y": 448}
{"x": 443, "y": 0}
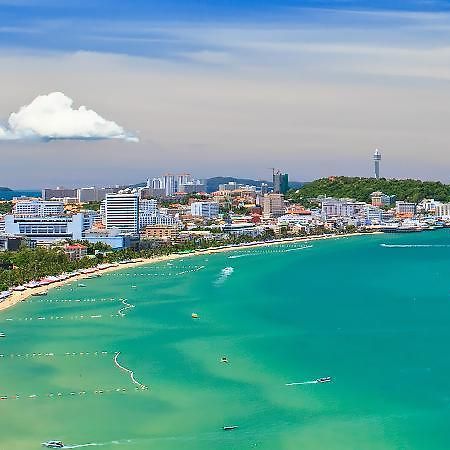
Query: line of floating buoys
{"x": 70, "y": 300}
{"x": 165, "y": 274}
{"x": 130, "y": 372}
{"x": 54, "y": 395}
{"x": 47, "y": 318}
{"x": 52, "y": 355}
{"x": 126, "y": 306}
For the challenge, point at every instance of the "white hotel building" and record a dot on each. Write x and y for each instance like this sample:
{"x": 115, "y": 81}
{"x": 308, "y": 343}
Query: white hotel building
{"x": 38, "y": 208}
{"x": 45, "y": 229}
{"x": 122, "y": 212}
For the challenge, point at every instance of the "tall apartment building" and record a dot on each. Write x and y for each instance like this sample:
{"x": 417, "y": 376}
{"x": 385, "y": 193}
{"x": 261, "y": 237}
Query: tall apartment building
{"x": 169, "y": 184}
{"x": 122, "y": 212}
{"x": 273, "y": 205}
{"x": 280, "y": 182}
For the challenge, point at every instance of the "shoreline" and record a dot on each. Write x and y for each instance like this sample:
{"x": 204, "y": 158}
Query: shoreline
{"x": 20, "y": 296}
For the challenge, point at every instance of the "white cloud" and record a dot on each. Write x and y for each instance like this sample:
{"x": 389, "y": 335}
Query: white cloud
{"x": 52, "y": 116}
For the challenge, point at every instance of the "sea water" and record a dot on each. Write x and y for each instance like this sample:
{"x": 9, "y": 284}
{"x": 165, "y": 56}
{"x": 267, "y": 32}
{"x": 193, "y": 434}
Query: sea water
{"x": 372, "y": 312}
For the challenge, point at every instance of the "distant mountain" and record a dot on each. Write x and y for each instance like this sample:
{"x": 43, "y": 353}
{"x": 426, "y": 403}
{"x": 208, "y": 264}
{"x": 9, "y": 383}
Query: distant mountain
{"x": 212, "y": 184}
{"x": 3, "y": 189}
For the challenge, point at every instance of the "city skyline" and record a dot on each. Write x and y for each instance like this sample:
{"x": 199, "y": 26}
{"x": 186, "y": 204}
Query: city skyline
{"x": 217, "y": 89}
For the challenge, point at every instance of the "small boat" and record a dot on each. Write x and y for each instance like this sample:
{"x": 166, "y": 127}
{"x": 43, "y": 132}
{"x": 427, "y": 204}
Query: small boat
{"x": 39, "y": 294}
{"x": 53, "y": 444}
{"x": 194, "y": 316}
{"x": 81, "y": 285}
{"x": 229, "y": 427}
{"x": 224, "y": 359}
{"x": 2, "y": 335}
{"x": 324, "y": 380}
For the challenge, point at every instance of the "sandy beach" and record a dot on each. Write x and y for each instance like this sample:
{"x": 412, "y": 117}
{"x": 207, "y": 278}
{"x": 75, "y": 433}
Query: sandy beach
{"x": 19, "y": 296}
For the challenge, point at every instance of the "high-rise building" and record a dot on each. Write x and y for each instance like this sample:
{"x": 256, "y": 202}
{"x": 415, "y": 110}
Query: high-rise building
{"x": 169, "y": 184}
{"x": 376, "y": 163}
{"x": 280, "y": 182}
{"x": 273, "y": 205}
{"x": 122, "y": 212}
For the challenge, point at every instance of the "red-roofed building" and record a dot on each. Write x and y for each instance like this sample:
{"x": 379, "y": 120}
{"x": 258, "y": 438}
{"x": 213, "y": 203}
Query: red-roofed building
{"x": 75, "y": 251}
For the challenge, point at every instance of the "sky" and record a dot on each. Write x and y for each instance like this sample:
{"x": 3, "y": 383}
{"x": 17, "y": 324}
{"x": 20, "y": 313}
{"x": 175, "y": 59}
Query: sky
{"x": 110, "y": 92}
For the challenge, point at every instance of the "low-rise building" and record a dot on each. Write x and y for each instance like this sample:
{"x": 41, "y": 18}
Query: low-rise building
{"x": 75, "y": 251}
{"x": 341, "y": 208}
{"x": 207, "y": 210}
{"x": 380, "y": 199}
{"x": 406, "y": 209}
{"x": 38, "y": 208}
{"x": 162, "y": 232}
{"x": 45, "y": 229}
{"x": 443, "y": 210}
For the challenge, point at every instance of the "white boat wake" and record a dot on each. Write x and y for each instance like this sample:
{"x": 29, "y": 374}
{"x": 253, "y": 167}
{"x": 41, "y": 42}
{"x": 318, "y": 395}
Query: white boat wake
{"x": 415, "y": 245}
{"x": 224, "y": 274}
{"x": 298, "y": 383}
{"x": 130, "y": 372}
{"x": 98, "y": 444}
{"x": 241, "y": 256}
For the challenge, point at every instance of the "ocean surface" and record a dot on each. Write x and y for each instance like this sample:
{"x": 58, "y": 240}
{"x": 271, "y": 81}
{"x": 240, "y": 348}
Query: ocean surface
{"x": 373, "y": 312}
{"x": 9, "y": 195}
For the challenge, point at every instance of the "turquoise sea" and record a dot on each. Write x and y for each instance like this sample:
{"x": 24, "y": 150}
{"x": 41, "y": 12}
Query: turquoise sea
{"x": 9, "y": 195}
{"x": 373, "y": 312}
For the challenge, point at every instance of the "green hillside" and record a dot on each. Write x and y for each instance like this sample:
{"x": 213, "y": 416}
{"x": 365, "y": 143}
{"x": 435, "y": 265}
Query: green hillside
{"x": 361, "y": 188}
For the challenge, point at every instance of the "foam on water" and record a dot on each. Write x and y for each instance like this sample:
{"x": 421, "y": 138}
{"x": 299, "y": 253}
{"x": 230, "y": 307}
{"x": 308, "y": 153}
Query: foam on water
{"x": 224, "y": 274}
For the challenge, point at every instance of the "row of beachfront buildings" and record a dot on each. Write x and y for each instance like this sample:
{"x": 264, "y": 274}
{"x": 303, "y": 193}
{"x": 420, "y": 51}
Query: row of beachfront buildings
{"x": 129, "y": 217}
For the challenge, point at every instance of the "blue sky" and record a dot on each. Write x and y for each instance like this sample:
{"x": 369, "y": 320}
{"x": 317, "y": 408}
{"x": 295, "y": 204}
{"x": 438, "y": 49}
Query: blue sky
{"x": 311, "y": 87}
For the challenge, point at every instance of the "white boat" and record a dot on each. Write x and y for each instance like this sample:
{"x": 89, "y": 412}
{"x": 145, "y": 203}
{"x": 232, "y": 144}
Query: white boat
{"x": 53, "y": 444}
{"x": 2, "y": 335}
{"x": 324, "y": 380}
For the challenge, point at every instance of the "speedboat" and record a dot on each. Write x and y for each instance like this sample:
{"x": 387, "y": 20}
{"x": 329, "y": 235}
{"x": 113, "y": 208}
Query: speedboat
{"x": 224, "y": 359}
{"x": 39, "y": 294}
{"x": 53, "y": 444}
{"x": 324, "y": 380}
{"x": 194, "y": 315}
{"x": 229, "y": 427}
{"x": 81, "y": 285}
{"x": 2, "y": 335}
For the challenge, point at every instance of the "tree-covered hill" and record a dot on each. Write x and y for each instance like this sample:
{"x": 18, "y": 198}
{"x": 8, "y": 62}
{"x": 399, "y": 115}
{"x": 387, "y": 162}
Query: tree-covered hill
{"x": 361, "y": 188}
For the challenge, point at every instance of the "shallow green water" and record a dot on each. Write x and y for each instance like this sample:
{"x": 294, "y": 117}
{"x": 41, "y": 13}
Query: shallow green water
{"x": 374, "y": 317}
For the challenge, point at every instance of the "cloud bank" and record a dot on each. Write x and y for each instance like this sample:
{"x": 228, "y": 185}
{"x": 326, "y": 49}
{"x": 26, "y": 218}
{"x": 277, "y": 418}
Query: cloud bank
{"x": 52, "y": 116}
